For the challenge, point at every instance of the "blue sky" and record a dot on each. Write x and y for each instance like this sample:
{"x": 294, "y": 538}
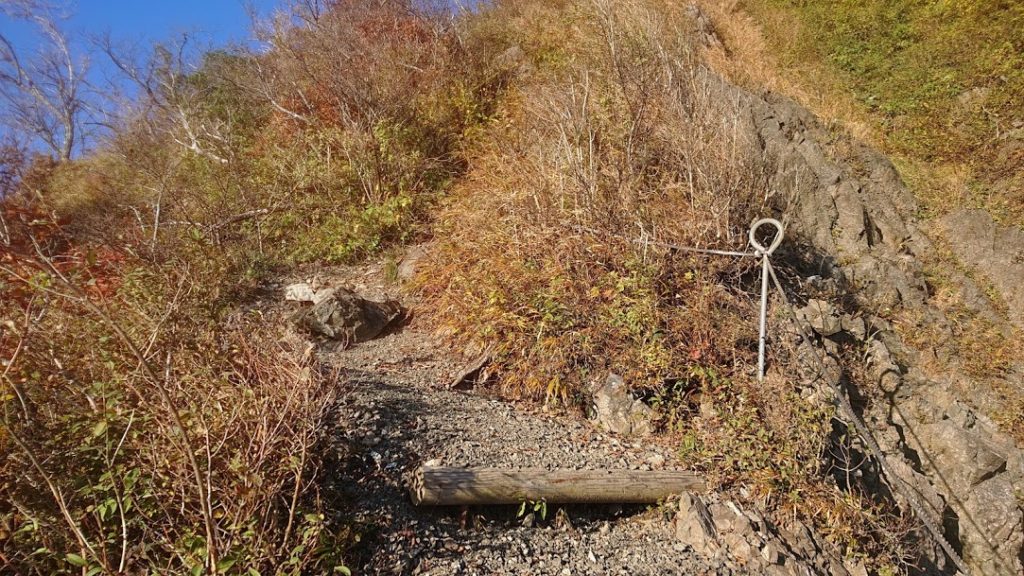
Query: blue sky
{"x": 135, "y": 26}
{"x": 221, "y": 21}
{"x": 140, "y": 23}
{"x": 209, "y": 22}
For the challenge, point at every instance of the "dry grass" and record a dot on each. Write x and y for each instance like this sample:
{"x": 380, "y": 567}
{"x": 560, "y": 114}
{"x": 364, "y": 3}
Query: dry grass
{"x": 614, "y": 136}
{"x": 622, "y": 140}
{"x": 747, "y": 59}
{"x": 984, "y": 349}
{"x": 896, "y": 76}
{"x": 148, "y": 428}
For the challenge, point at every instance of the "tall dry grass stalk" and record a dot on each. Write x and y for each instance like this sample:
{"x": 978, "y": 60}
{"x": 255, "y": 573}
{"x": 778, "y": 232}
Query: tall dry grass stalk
{"x": 618, "y": 134}
{"x": 622, "y": 137}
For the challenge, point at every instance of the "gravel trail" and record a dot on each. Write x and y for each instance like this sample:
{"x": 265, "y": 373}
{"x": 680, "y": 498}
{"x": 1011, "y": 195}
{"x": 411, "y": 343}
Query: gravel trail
{"x": 397, "y": 413}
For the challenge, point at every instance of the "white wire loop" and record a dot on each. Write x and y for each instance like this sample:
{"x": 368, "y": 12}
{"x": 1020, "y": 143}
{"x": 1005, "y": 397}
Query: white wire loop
{"x": 760, "y": 250}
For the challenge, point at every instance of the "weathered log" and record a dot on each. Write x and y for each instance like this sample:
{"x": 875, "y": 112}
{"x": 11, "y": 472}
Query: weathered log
{"x": 444, "y": 486}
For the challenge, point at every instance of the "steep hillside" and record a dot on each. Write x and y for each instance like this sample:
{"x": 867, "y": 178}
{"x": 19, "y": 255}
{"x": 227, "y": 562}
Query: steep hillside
{"x": 939, "y": 84}
{"x": 556, "y": 163}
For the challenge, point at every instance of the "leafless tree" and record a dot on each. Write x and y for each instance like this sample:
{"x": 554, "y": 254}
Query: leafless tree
{"x": 308, "y": 11}
{"x": 169, "y": 102}
{"x": 43, "y": 95}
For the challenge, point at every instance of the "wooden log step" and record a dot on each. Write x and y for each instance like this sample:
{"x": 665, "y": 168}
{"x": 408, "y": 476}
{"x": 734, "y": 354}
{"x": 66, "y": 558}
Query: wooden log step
{"x": 449, "y": 486}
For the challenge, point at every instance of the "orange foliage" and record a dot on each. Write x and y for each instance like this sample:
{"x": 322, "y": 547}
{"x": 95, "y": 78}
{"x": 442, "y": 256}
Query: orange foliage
{"x": 31, "y": 232}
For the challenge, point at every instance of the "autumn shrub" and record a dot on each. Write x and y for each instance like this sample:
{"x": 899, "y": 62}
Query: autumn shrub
{"x": 149, "y": 424}
{"x": 374, "y": 104}
{"x": 142, "y": 432}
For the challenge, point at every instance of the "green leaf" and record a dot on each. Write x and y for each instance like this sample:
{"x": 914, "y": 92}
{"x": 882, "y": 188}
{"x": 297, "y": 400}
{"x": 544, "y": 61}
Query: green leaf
{"x": 99, "y": 428}
{"x": 75, "y": 559}
{"x": 342, "y": 570}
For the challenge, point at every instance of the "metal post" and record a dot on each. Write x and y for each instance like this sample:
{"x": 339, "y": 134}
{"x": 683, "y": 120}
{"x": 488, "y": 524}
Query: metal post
{"x": 764, "y": 318}
{"x": 764, "y": 253}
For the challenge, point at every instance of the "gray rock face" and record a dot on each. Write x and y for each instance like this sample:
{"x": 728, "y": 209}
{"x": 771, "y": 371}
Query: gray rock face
{"x": 950, "y": 448}
{"x": 845, "y": 204}
{"x": 995, "y": 251}
{"x": 970, "y": 465}
{"x": 994, "y": 547}
{"x": 347, "y": 317}
{"x": 745, "y": 541}
{"x": 615, "y": 409}
{"x": 855, "y": 326}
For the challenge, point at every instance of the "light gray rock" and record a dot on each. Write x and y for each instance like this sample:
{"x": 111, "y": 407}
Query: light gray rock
{"x": 303, "y": 292}
{"x": 411, "y": 261}
{"x": 962, "y": 458}
{"x": 615, "y": 409}
{"x": 704, "y": 30}
{"x": 771, "y": 553}
{"x": 882, "y": 369}
{"x": 992, "y": 544}
{"x": 300, "y": 292}
{"x": 822, "y": 317}
{"x": 694, "y": 525}
{"x": 854, "y": 326}
{"x": 747, "y": 543}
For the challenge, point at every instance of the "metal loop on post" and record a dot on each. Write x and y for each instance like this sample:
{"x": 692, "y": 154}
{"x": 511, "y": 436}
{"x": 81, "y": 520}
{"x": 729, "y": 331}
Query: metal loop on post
{"x": 779, "y": 230}
{"x": 764, "y": 253}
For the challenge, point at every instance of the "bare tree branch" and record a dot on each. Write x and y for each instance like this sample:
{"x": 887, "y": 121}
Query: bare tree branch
{"x": 43, "y": 96}
{"x": 170, "y": 104}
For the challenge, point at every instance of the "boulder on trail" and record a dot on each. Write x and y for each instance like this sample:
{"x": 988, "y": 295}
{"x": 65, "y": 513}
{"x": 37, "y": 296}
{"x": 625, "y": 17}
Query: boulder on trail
{"x": 615, "y": 409}
{"x": 347, "y": 317}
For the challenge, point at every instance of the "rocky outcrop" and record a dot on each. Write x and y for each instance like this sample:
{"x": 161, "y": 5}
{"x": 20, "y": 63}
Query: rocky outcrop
{"x": 996, "y": 252}
{"x": 744, "y": 541}
{"x": 856, "y": 236}
{"x": 962, "y": 471}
